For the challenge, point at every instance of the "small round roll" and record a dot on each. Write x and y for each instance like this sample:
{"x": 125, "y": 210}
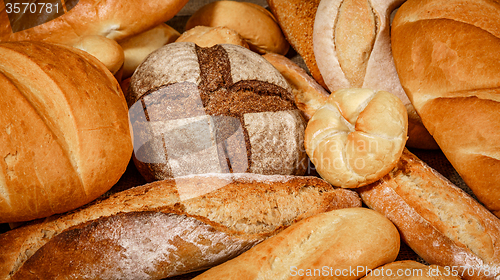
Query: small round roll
{"x": 206, "y": 36}
{"x": 108, "y": 51}
{"x": 357, "y": 137}
{"x": 253, "y": 22}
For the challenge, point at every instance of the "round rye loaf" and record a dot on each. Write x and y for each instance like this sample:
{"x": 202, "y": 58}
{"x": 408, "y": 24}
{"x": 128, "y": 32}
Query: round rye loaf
{"x": 222, "y": 109}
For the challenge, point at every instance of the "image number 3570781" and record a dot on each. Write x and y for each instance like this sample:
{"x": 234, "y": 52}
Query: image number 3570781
{"x": 25, "y": 14}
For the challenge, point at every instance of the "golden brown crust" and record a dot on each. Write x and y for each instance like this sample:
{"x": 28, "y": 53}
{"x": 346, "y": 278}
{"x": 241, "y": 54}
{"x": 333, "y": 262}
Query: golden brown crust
{"x": 236, "y": 209}
{"x": 450, "y": 73}
{"x": 323, "y": 245}
{"x": 206, "y": 36}
{"x": 254, "y": 23}
{"x": 412, "y": 270}
{"x": 66, "y": 140}
{"x": 439, "y": 221}
{"x": 296, "y": 19}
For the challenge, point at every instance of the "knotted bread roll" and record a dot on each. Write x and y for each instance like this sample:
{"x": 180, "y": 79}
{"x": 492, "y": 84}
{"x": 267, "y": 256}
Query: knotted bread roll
{"x": 357, "y": 136}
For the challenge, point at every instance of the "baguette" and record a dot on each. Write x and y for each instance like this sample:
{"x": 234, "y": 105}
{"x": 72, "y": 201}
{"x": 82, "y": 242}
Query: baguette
{"x": 439, "y": 221}
{"x": 166, "y": 228}
{"x": 340, "y": 244}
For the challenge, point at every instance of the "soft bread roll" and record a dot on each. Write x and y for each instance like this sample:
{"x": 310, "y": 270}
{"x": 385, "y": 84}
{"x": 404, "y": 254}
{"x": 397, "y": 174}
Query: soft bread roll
{"x": 137, "y": 47}
{"x": 412, "y": 270}
{"x": 356, "y": 137}
{"x": 450, "y": 68}
{"x": 222, "y": 109}
{"x": 166, "y": 228}
{"x": 296, "y": 19}
{"x": 108, "y": 51}
{"x": 307, "y": 93}
{"x": 439, "y": 221}
{"x": 206, "y": 36}
{"x": 65, "y": 130}
{"x": 352, "y": 45}
{"x": 115, "y": 19}
{"x": 253, "y": 22}
{"x": 321, "y": 246}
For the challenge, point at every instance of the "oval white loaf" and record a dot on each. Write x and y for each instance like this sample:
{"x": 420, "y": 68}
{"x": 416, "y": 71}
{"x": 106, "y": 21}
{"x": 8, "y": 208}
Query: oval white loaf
{"x": 166, "y": 228}
{"x": 64, "y": 130}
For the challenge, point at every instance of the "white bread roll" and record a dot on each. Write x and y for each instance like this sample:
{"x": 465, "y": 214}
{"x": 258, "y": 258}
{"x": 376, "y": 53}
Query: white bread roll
{"x": 64, "y": 130}
{"x": 115, "y": 19}
{"x": 166, "y": 228}
{"x": 352, "y": 45}
{"x": 447, "y": 54}
{"x": 356, "y": 137}
{"x": 138, "y": 47}
{"x": 439, "y": 221}
{"x": 108, "y": 51}
{"x": 340, "y": 244}
{"x": 207, "y": 36}
{"x": 253, "y": 22}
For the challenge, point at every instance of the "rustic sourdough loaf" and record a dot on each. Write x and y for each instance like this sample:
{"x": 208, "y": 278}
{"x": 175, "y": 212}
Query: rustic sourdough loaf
{"x": 64, "y": 130}
{"x": 213, "y": 110}
{"x": 439, "y": 221}
{"x": 166, "y": 228}
{"x": 352, "y": 45}
{"x": 447, "y": 55}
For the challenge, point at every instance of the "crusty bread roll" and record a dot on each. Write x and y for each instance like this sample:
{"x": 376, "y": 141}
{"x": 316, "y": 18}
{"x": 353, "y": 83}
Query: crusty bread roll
{"x": 207, "y": 36}
{"x": 352, "y": 46}
{"x": 115, "y": 19}
{"x": 439, "y": 221}
{"x": 166, "y": 228}
{"x": 296, "y": 19}
{"x": 357, "y": 136}
{"x": 108, "y": 51}
{"x": 331, "y": 245}
{"x": 65, "y": 130}
{"x": 213, "y": 110}
{"x": 307, "y": 93}
{"x": 450, "y": 68}
{"x": 412, "y": 270}
{"x": 253, "y": 22}
{"x": 137, "y": 47}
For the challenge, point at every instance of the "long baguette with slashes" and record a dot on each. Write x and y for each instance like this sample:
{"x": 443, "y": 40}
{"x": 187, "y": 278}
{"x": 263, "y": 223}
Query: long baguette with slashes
{"x": 166, "y": 228}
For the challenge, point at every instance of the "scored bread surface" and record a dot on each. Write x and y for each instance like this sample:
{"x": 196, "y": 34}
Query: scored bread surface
{"x": 238, "y": 210}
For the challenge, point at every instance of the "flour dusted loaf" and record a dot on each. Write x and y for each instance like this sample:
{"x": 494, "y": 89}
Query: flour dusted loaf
{"x": 447, "y": 55}
{"x": 166, "y": 228}
{"x": 352, "y": 45}
{"x": 339, "y": 244}
{"x": 439, "y": 221}
{"x": 64, "y": 130}
{"x": 213, "y": 110}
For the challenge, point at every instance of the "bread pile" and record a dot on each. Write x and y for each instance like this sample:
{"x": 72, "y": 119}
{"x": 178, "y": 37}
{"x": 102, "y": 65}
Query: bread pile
{"x": 241, "y": 159}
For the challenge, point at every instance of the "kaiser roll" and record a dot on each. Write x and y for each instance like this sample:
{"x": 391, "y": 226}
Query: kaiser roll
{"x": 64, "y": 130}
{"x": 357, "y": 137}
{"x": 213, "y": 110}
{"x": 447, "y": 54}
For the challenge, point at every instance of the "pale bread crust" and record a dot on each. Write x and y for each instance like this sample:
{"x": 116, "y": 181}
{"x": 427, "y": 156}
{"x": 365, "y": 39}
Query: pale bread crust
{"x": 138, "y": 47}
{"x": 357, "y": 137}
{"x": 439, "y": 221}
{"x": 375, "y": 68}
{"x": 108, "y": 51}
{"x": 211, "y": 218}
{"x": 341, "y": 239}
{"x": 207, "y": 36}
{"x": 411, "y": 270}
{"x": 254, "y": 23}
{"x": 66, "y": 140}
{"x": 307, "y": 93}
{"x": 450, "y": 73}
